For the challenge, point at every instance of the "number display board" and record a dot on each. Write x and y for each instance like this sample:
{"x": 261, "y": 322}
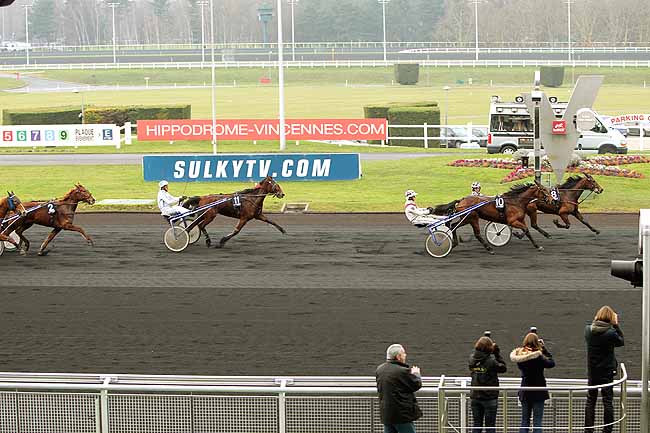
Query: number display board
{"x": 59, "y": 135}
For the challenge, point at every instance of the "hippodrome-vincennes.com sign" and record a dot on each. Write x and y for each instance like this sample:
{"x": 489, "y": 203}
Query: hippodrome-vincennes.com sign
{"x": 220, "y": 168}
{"x": 266, "y": 129}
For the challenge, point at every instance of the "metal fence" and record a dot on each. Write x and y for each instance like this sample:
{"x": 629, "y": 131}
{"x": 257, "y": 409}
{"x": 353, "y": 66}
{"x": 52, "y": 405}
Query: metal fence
{"x": 63, "y": 403}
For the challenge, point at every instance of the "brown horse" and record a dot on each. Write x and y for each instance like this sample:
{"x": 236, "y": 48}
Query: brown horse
{"x": 570, "y": 192}
{"x": 514, "y": 213}
{"x": 58, "y": 214}
{"x": 10, "y": 204}
{"x": 251, "y": 203}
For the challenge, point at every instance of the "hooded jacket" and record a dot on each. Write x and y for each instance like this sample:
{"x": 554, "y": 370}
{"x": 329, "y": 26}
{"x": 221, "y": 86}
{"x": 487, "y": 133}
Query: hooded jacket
{"x": 602, "y": 338}
{"x": 396, "y": 386}
{"x": 532, "y": 364}
{"x": 484, "y": 368}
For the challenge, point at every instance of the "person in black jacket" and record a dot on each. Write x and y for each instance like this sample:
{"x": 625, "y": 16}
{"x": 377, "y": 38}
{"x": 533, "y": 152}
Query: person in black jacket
{"x": 602, "y": 336}
{"x": 484, "y": 364}
{"x": 532, "y": 358}
{"x": 396, "y": 385}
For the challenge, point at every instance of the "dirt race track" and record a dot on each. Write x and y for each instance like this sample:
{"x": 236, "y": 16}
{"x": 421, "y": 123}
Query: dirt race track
{"x": 325, "y": 299}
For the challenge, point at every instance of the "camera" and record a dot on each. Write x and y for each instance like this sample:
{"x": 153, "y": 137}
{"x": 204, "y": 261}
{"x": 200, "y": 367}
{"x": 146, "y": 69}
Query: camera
{"x": 630, "y": 270}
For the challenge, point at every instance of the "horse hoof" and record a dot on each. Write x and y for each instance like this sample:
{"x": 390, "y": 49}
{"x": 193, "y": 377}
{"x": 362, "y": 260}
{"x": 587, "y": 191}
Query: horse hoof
{"x": 43, "y": 253}
{"x": 491, "y": 252}
{"x": 540, "y": 249}
{"x": 597, "y": 232}
{"x": 547, "y": 236}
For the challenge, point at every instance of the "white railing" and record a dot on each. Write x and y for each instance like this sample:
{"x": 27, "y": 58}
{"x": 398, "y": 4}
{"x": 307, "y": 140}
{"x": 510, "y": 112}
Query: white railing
{"x": 430, "y": 134}
{"x": 65, "y": 403}
{"x": 329, "y": 64}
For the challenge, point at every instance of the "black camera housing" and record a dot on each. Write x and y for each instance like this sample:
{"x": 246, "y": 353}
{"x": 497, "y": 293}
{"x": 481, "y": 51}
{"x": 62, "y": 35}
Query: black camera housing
{"x": 629, "y": 270}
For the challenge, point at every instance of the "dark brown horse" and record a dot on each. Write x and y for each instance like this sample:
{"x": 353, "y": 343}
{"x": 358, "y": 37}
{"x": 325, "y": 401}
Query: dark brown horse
{"x": 569, "y": 200}
{"x": 9, "y": 204}
{"x": 251, "y": 203}
{"x": 513, "y": 214}
{"x": 58, "y": 214}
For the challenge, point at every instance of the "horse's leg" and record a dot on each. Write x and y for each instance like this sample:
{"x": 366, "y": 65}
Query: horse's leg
{"x": 24, "y": 242}
{"x": 582, "y": 219}
{"x": 520, "y": 225}
{"x": 476, "y": 227}
{"x": 209, "y": 216}
{"x": 565, "y": 218}
{"x": 52, "y": 235}
{"x": 263, "y": 217}
{"x": 73, "y": 228}
{"x": 533, "y": 224}
{"x": 238, "y": 227}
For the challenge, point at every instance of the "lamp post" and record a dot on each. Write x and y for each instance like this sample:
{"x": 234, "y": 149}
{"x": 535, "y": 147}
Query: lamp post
{"x": 113, "y": 6}
{"x": 446, "y": 89}
{"x": 293, "y": 35}
{"x": 568, "y": 19}
{"x": 475, "y": 3}
{"x": 283, "y": 137}
{"x": 212, "y": 73}
{"x": 202, "y": 3}
{"x": 383, "y": 13}
{"x": 27, "y": 7}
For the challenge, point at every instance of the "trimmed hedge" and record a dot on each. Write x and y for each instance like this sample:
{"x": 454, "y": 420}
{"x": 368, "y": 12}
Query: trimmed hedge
{"x": 552, "y": 76}
{"x": 121, "y": 115}
{"x": 42, "y": 116}
{"x": 407, "y": 73}
{"x": 414, "y": 116}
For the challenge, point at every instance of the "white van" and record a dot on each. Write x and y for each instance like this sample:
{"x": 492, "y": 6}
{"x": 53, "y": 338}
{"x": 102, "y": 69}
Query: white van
{"x": 510, "y": 129}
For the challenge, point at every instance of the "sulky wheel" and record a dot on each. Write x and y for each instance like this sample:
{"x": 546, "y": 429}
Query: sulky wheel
{"x": 8, "y": 245}
{"x": 2, "y": 248}
{"x": 195, "y": 233}
{"x": 438, "y": 244}
{"x": 176, "y": 239}
{"x": 497, "y": 234}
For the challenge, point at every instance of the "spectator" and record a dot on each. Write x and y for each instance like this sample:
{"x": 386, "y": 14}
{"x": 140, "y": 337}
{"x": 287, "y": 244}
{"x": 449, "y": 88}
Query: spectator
{"x": 396, "y": 385}
{"x": 602, "y": 336}
{"x": 532, "y": 358}
{"x": 484, "y": 364}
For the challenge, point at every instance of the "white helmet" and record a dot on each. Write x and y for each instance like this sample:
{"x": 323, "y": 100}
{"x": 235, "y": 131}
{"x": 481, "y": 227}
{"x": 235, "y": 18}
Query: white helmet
{"x": 162, "y": 183}
{"x": 410, "y": 194}
{"x": 476, "y": 185}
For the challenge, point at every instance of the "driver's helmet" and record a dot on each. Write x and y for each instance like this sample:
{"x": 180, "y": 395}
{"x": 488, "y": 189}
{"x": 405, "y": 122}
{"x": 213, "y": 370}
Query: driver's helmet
{"x": 162, "y": 183}
{"x": 476, "y": 186}
{"x": 410, "y": 194}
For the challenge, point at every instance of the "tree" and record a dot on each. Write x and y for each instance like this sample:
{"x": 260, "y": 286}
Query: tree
{"x": 43, "y": 21}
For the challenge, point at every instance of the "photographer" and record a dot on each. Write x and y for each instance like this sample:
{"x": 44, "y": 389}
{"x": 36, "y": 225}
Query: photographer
{"x": 485, "y": 363}
{"x": 602, "y": 336}
{"x": 396, "y": 386}
{"x": 532, "y": 358}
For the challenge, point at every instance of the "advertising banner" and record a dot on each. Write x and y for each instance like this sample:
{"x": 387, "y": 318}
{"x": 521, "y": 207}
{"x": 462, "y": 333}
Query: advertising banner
{"x": 223, "y": 168}
{"x": 256, "y": 129}
{"x": 59, "y": 135}
{"x": 627, "y": 118}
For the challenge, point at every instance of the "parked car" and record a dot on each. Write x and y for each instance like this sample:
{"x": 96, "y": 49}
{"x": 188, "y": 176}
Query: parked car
{"x": 634, "y": 128}
{"x": 457, "y": 135}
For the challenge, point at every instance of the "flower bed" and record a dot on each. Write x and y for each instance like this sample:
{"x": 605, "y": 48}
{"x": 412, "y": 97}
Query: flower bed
{"x": 597, "y": 165}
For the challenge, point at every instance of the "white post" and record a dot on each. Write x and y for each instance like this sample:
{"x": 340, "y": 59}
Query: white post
{"x": 113, "y": 6}
{"x": 3, "y": 25}
{"x": 568, "y": 15}
{"x": 27, "y": 31}
{"x": 293, "y": 35}
{"x": 446, "y": 89}
{"x": 383, "y": 12}
{"x": 214, "y": 102}
{"x": 128, "y": 137}
{"x": 476, "y": 26}
{"x": 642, "y": 138}
{"x": 202, "y": 3}
{"x": 283, "y": 137}
{"x": 426, "y": 136}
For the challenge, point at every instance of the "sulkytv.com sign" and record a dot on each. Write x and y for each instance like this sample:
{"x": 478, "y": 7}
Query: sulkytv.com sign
{"x": 269, "y": 129}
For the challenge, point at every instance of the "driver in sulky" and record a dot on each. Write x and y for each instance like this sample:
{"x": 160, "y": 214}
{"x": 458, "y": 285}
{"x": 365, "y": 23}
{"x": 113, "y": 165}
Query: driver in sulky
{"x": 168, "y": 204}
{"x": 418, "y": 215}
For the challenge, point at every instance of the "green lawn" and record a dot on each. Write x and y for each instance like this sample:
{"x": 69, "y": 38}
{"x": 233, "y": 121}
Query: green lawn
{"x": 11, "y": 83}
{"x": 381, "y": 188}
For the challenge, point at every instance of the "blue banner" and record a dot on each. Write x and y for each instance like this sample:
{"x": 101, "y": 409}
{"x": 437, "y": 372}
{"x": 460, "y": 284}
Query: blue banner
{"x": 223, "y": 168}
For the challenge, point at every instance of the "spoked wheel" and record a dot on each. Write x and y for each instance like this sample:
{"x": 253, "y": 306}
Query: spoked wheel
{"x": 176, "y": 239}
{"x": 2, "y": 248}
{"x": 438, "y": 244}
{"x": 195, "y": 234}
{"x": 8, "y": 245}
{"x": 498, "y": 235}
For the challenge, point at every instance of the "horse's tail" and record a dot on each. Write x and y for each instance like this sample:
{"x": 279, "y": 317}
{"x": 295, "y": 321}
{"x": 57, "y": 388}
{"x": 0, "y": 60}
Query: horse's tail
{"x": 445, "y": 209}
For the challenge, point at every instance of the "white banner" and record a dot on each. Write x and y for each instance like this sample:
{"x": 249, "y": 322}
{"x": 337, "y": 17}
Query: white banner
{"x": 59, "y": 135}
{"x": 625, "y": 118}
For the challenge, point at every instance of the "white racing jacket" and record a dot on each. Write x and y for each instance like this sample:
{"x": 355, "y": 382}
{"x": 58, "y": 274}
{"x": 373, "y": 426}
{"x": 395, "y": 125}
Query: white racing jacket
{"x": 412, "y": 212}
{"x": 168, "y": 204}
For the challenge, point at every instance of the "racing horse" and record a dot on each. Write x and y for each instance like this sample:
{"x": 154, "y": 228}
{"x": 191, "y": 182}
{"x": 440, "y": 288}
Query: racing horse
{"x": 567, "y": 204}
{"x": 10, "y": 204}
{"x": 513, "y": 213}
{"x": 244, "y": 206}
{"x": 58, "y": 214}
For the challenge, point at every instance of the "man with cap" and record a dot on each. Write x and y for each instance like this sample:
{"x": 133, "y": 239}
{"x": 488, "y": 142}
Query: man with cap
{"x": 168, "y": 204}
{"x": 418, "y": 215}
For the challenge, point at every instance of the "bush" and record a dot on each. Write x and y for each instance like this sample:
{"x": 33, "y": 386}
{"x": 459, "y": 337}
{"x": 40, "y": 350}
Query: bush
{"x": 121, "y": 115}
{"x": 552, "y": 76}
{"x": 42, "y": 116}
{"x": 414, "y": 116}
{"x": 407, "y": 73}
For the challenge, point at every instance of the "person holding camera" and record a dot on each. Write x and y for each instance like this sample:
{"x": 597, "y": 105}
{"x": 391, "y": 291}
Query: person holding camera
{"x": 602, "y": 336}
{"x": 532, "y": 358}
{"x": 396, "y": 386}
{"x": 485, "y": 363}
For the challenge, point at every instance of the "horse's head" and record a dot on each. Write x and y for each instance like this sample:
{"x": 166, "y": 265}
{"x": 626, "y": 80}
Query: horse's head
{"x": 14, "y": 204}
{"x": 270, "y": 186}
{"x": 80, "y": 194}
{"x": 588, "y": 182}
